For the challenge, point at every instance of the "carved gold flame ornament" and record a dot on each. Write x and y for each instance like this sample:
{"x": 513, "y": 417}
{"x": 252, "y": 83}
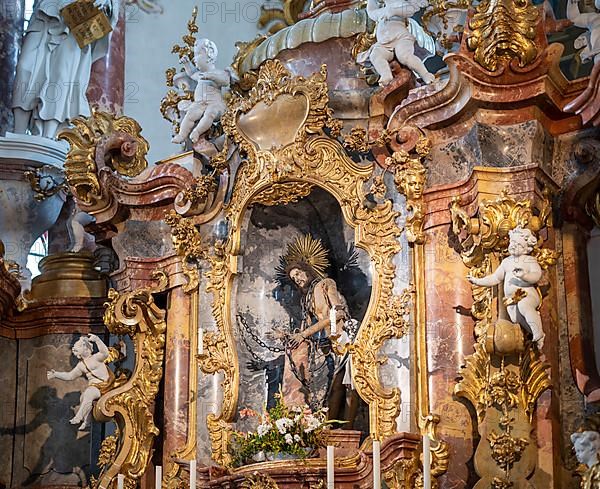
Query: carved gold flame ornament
{"x": 502, "y": 30}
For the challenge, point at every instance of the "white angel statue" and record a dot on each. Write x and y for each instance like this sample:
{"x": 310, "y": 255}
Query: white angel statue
{"x": 92, "y": 366}
{"x": 520, "y": 273}
{"x": 589, "y": 40}
{"x": 53, "y": 72}
{"x": 208, "y": 105}
{"x": 396, "y": 34}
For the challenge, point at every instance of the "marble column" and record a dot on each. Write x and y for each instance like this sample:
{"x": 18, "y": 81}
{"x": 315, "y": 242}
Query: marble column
{"x": 106, "y": 90}
{"x": 11, "y": 33}
{"x": 177, "y": 374}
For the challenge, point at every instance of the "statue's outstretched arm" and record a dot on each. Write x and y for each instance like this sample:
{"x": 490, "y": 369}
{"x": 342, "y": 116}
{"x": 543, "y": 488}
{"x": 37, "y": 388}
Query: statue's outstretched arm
{"x": 577, "y": 17}
{"x": 491, "y": 280}
{"x": 72, "y": 375}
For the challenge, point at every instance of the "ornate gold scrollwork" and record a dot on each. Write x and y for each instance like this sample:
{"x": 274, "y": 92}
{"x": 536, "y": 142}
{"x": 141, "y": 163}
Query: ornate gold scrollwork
{"x": 186, "y": 237}
{"x": 259, "y": 481}
{"x": 409, "y": 176}
{"x": 502, "y": 30}
{"x": 130, "y": 405}
{"x": 295, "y": 159}
{"x": 405, "y": 474}
{"x": 100, "y": 141}
{"x": 503, "y": 378}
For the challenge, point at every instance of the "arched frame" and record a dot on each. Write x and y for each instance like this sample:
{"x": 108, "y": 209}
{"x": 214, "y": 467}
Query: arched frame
{"x": 279, "y": 127}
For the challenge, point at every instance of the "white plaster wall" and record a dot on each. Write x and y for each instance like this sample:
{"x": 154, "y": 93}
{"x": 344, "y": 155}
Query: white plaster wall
{"x": 149, "y": 38}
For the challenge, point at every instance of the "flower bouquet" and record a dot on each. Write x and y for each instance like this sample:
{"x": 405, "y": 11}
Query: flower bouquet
{"x": 283, "y": 432}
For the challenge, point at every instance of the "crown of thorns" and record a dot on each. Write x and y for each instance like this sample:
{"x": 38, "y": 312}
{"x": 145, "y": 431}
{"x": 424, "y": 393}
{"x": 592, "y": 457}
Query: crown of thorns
{"x": 305, "y": 253}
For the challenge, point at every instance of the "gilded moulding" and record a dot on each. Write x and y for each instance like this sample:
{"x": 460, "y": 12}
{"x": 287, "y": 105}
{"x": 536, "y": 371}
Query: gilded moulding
{"x": 130, "y": 405}
{"x": 299, "y": 157}
{"x": 505, "y": 376}
{"x": 410, "y": 176}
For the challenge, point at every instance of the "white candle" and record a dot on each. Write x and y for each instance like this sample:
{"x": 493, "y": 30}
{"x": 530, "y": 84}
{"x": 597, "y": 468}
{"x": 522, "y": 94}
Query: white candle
{"x": 333, "y": 321}
{"x": 200, "y": 341}
{"x": 158, "y": 477}
{"x": 426, "y": 462}
{"x": 376, "y": 464}
{"x": 120, "y": 481}
{"x": 330, "y": 467}
{"x": 192, "y": 474}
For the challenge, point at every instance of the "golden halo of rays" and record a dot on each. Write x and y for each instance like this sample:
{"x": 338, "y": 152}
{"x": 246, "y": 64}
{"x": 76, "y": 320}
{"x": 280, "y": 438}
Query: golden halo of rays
{"x": 308, "y": 250}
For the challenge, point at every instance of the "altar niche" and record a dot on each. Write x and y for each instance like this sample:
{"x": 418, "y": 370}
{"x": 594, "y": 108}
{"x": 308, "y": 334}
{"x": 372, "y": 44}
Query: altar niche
{"x": 299, "y": 262}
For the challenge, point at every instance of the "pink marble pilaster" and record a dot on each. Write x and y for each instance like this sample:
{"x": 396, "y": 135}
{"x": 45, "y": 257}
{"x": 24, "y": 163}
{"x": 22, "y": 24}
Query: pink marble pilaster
{"x": 106, "y": 90}
{"x": 177, "y": 374}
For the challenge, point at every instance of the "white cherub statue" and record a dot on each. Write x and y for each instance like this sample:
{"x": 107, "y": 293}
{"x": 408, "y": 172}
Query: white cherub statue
{"x": 208, "y": 105}
{"x": 93, "y": 367}
{"x": 520, "y": 272}
{"x": 396, "y": 34}
{"x": 587, "y": 447}
{"x": 590, "y": 40}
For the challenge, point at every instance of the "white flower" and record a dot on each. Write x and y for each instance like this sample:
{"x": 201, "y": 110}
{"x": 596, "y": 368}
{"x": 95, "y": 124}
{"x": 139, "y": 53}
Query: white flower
{"x": 283, "y": 424}
{"x": 297, "y": 438}
{"x": 288, "y": 439}
{"x": 264, "y": 428}
{"x": 312, "y": 423}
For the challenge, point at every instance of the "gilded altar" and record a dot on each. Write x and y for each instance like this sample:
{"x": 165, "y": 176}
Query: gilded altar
{"x": 340, "y": 275}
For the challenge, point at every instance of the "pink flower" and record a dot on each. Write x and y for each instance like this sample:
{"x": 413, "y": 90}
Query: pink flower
{"x": 248, "y": 413}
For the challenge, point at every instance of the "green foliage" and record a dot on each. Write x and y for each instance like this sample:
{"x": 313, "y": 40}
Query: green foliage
{"x": 293, "y": 430}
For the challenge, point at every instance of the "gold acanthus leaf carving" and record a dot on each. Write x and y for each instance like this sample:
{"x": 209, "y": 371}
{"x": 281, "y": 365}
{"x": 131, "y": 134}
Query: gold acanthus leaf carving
{"x": 220, "y": 356}
{"x": 131, "y": 405}
{"x": 502, "y": 30}
{"x": 534, "y": 379}
{"x": 100, "y": 141}
{"x": 259, "y": 481}
{"x": 403, "y": 474}
{"x": 284, "y": 193}
{"x": 170, "y": 107}
{"x": 186, "y": 237}
{"x": 357, "y": 140}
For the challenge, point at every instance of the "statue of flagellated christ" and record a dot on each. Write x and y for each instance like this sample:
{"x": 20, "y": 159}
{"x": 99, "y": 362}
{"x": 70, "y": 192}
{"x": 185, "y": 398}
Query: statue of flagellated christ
{"x": 312, "y": 371}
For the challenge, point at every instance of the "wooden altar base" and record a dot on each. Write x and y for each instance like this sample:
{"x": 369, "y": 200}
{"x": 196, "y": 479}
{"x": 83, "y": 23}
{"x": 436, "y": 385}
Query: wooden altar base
{"x": 351, "y": 472}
